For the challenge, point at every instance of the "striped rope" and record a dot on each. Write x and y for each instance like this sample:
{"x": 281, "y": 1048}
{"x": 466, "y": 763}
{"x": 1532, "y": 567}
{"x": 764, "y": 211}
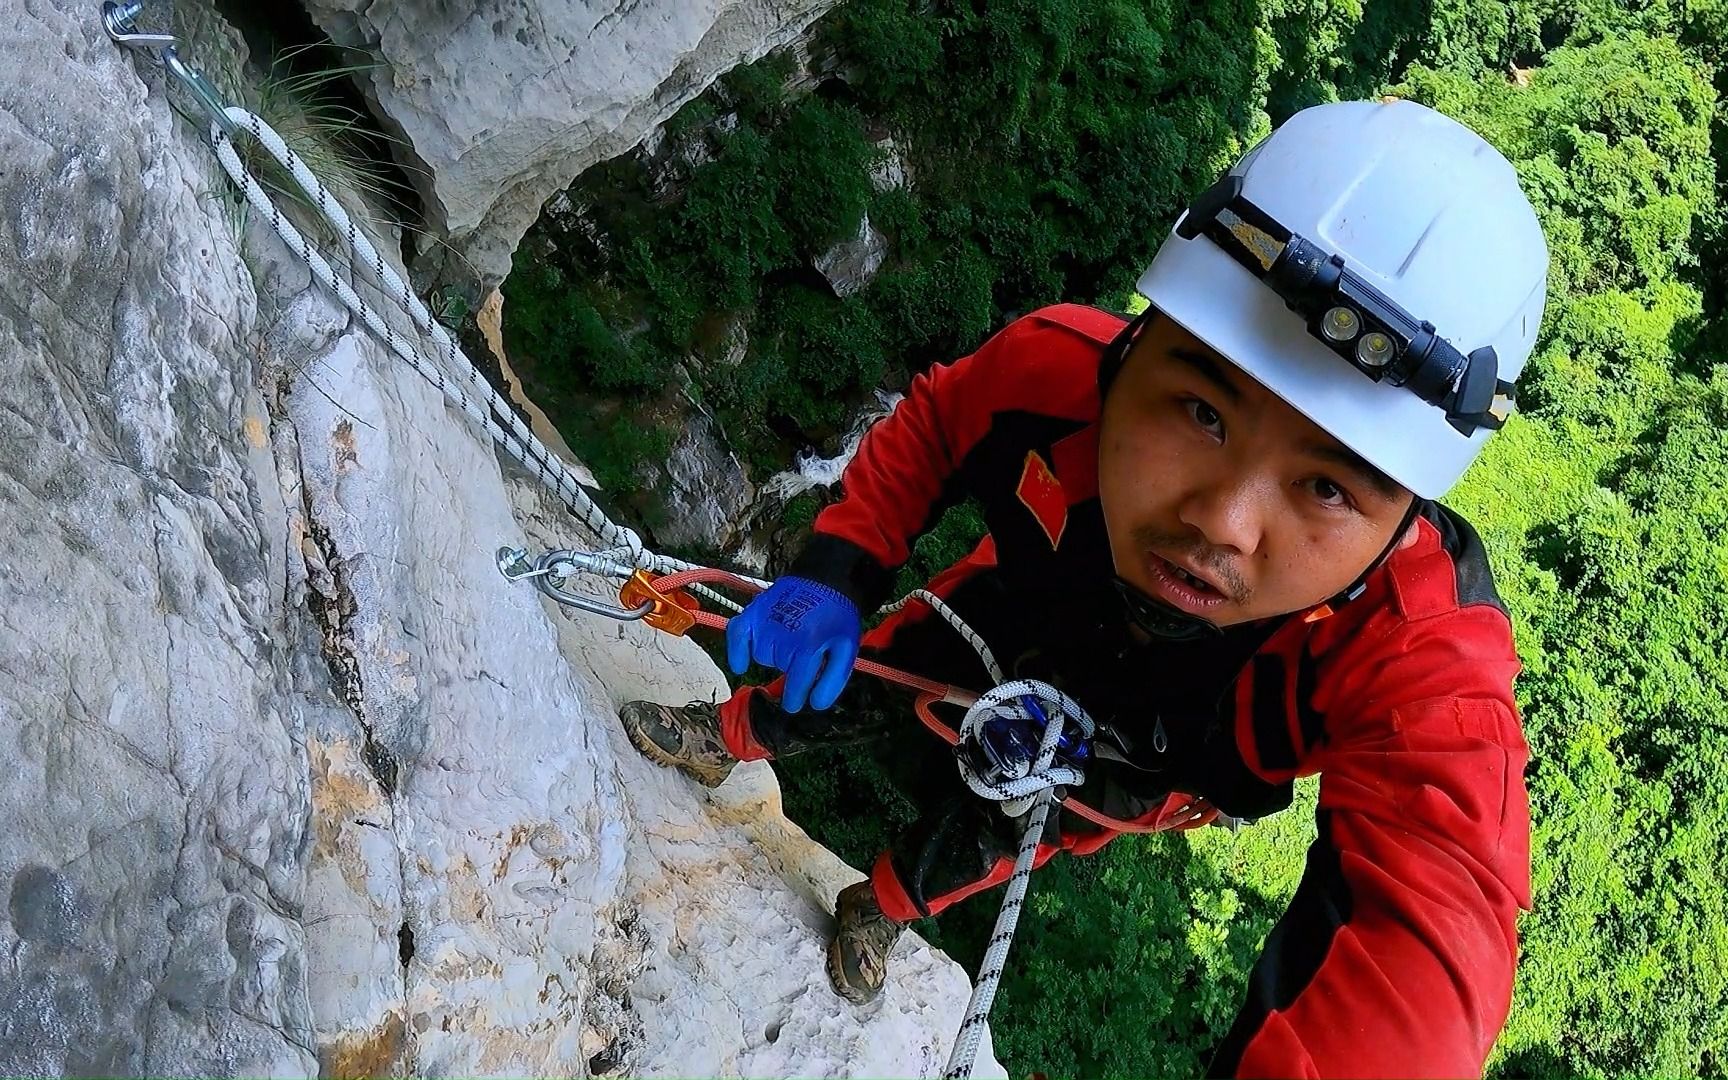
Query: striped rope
{"x": 952, "y": 618}
{"x": 1037, "y": 784}
{"x": 479, "y": 401}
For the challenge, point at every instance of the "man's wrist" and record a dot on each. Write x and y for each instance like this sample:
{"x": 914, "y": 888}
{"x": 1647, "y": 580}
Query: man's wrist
{"x": 846, "y": 568}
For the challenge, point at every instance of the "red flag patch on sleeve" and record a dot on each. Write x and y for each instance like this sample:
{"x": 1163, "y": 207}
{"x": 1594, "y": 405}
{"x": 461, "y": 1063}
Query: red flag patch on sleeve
{"x": 1040, "y": 492}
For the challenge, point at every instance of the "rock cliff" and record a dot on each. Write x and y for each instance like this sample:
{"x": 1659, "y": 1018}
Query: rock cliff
{"x": 501, "y": 103}
{"x": 299, "y": 785}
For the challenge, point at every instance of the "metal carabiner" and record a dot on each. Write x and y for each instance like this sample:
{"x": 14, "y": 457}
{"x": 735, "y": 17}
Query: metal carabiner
{"x": 550, "y": 571}
{"x": 199, "y": 87}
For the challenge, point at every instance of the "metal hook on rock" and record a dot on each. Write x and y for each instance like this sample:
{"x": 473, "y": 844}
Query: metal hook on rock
{"x": 118, "y": 20}
{"x": 514, "y": 565}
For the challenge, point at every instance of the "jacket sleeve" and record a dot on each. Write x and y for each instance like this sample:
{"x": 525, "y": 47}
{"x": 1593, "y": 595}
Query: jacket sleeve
{"x": 905, "y": 471}
{"x": 1396, "y": 955}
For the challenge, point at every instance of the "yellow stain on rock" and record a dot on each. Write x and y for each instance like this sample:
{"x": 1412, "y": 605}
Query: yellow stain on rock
{"x": 365, "y": 1054}
{"x": 342, "y": 789}
{"x": 518, "y": 835}
{"x": 347, "y": 451}
{"x": 343, "y": 794}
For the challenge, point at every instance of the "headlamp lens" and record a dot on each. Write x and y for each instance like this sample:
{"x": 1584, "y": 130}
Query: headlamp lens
{"x": 1340, "y": 324}
{"x": 1374, "y": 350}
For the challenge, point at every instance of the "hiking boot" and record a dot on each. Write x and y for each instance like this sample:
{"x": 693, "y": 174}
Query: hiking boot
{"x": 686, "y": 738}
{"x": 858, "y": 954}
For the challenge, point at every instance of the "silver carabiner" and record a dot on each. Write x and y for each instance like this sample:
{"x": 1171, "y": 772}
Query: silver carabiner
{"x": 550, "y": 571}
{"x": 199, "y": 87}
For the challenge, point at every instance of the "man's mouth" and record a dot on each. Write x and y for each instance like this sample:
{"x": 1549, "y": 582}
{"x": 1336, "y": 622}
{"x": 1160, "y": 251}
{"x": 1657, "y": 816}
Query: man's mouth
{"x": 1182, "y": 587}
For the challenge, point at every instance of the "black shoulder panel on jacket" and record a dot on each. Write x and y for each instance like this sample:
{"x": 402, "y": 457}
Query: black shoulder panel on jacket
{"x": 1469, "y": 557}
{"x": 1295, "y": 949}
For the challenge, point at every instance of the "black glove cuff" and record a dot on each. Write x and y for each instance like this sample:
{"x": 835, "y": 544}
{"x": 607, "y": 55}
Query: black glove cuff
{"x": 846, "y": 568}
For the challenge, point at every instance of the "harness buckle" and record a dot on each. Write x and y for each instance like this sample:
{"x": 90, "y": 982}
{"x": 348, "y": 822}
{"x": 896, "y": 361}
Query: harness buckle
{"x": 671, "y": 613}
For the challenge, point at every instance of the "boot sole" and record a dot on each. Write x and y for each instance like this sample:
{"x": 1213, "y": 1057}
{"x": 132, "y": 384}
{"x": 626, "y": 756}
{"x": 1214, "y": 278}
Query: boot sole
{"x": 854, "y": 995}
{"x": 707, "y": 777}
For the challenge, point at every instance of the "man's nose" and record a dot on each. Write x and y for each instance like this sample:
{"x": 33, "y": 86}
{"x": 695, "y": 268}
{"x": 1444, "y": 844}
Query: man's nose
{"x": 1229, "y": 515}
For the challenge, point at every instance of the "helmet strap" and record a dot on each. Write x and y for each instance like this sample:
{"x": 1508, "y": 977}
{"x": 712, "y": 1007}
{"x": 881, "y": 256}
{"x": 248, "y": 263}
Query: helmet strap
{"x": 1355, "y": 589}
{"x": 1162, "y": 621}
{"x": 1116, "y": 353}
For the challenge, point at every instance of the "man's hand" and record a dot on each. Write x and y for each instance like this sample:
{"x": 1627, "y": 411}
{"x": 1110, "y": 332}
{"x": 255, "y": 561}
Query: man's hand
{"x": 803, "y": 628}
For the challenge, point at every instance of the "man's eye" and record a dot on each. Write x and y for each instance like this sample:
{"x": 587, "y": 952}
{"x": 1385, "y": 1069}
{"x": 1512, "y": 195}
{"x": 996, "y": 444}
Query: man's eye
{"x": 1206, "y": 416}
{"x": 1328, "y": 492}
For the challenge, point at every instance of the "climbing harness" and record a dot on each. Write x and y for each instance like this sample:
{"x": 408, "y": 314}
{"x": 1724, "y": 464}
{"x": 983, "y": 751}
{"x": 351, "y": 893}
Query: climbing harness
{"x": 1024, "y": 784}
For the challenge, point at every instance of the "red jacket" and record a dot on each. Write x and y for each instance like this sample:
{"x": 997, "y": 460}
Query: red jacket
{"x": 1396, "y": 955}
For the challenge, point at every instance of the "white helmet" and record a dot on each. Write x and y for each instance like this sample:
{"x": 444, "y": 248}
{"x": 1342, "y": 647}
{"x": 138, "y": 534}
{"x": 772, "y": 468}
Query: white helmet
{"x": 1376, "y": 266}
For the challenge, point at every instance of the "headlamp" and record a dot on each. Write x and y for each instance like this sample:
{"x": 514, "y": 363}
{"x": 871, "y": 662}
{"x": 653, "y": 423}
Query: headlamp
{"x": 1350, "y": 316}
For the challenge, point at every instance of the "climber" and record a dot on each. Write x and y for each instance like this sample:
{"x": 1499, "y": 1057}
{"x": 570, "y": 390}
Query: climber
{"x": 1213, "y": 526}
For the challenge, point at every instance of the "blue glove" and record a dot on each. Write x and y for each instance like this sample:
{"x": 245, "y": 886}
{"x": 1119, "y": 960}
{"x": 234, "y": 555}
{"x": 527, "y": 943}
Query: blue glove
{"x": 803, "y": 628}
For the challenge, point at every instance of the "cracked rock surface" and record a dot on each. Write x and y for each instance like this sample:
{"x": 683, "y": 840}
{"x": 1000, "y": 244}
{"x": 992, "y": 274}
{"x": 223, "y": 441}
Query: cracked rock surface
{"x": 298, "y": 784}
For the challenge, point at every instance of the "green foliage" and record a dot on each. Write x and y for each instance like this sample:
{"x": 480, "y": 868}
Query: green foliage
{"x": 1613, "y": 143}
{"x": 821, "y": 173}
{"x": 800, "y": 512}
{"x": 954, "y": 535}
{"x": 561, "y": 321}
{"x": 1604, "y": 507}
{"x": 1051, "y": 142}
{"x": 614, "y": 448}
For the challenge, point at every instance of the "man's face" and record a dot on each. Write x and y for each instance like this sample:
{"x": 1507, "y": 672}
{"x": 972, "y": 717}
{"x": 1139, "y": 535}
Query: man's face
{"x": 1222, "y": 500}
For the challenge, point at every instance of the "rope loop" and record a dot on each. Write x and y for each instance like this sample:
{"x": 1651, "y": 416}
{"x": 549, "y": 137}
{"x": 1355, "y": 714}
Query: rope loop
{"x": 1024, "y": 701}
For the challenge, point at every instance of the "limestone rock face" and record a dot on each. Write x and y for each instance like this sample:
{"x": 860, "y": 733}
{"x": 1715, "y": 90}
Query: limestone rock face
{"x": 504, "y": 102}
{"x": 153, "y": 822}
{"x": 298, "y": 785}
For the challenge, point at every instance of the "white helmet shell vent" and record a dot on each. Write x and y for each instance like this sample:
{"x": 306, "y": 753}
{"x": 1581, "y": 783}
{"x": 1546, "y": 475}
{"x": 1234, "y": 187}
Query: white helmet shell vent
{"x": 1376, "y": 266}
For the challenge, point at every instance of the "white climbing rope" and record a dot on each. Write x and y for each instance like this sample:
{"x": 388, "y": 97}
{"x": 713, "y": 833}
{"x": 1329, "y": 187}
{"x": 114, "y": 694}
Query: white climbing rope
{"x": 952, "y": 618}
{"x": 479, "y": 401}
{"x": 1031, "y": 792}
{"x": 1016, "y": 789}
